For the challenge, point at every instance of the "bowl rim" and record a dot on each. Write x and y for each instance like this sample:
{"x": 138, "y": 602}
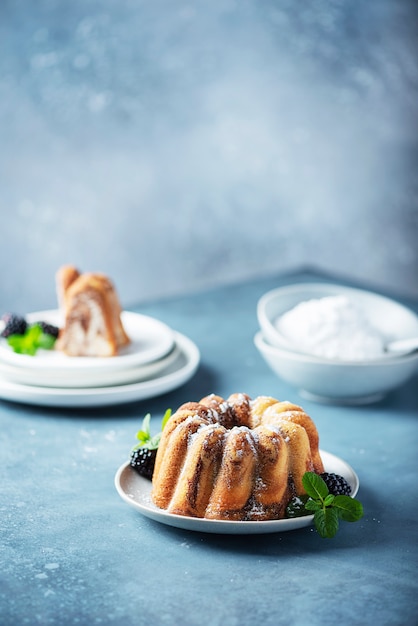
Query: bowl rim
{"x": 266, "y": 323}
{"x": 295, "y": 287}
{"x": 262, "y": 344}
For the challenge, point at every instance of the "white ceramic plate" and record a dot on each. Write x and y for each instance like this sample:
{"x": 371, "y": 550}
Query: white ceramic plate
{"x": 81, "y": 378}
{"x": 150, "y": 340}
{"x": 136, "y": 491}
{"x": 175, "y": 375}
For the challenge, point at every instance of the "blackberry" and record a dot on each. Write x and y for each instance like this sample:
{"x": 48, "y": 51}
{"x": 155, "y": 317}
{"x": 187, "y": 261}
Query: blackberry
{"x": 336, "y": 484}
{"x": 144, "y": 453}
{"x": 143, "y": 460}
{"x": 49, "y": 329}
{"x": 14, "y": 325}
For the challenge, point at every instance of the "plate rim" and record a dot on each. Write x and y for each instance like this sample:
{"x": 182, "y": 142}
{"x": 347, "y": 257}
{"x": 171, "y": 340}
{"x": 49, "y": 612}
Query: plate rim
{"x": 195, "y": 524}
{"x": 124, "y": 376}
{"x": 107, "y": 396}
{"x": 70, "y": 363}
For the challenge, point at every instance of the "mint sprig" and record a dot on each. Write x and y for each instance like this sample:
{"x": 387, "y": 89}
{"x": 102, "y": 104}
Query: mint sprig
{"x": 33, "y": 339}
{"x": 144, "y": 435}
{"x": 327, "y": 508}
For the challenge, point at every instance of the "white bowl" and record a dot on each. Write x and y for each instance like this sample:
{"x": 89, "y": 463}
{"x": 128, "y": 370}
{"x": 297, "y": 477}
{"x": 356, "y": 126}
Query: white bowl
{"x": 337, "y": 380}
{"x": 391, "y": 319}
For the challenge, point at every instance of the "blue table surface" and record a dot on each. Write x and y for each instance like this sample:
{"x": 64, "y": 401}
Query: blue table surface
{"x": 72, "y": 552}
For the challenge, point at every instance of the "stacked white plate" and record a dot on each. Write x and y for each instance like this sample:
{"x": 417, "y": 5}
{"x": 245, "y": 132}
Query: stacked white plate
{"x": 157, "y": 360}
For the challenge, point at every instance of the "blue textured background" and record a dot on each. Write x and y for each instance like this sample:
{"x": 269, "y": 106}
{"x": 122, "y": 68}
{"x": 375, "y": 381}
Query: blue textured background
{"x": 178, "y": 145}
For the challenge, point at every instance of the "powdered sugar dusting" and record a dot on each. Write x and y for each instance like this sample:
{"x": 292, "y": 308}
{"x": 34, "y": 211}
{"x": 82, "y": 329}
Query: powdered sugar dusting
{"x": 333, "y": 327}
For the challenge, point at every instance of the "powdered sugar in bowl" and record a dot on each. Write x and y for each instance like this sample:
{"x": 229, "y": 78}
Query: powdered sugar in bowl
{"x": 329, "y": 341}
{"x": 332, "y": 327}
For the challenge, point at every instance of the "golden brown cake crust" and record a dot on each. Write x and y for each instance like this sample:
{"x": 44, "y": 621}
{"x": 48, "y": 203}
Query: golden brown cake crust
{"x": 234, "y": 459}
{"x": 65, "y": 276}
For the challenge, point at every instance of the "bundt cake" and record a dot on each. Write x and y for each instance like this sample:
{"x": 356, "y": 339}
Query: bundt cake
{"x": 92, "y": 314}
{"x": 234, "y": 459}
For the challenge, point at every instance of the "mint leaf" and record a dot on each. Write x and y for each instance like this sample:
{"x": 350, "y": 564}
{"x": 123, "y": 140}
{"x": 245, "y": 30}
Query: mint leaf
{"x": 313, "y": 505}
{"x": 27, "y": 343}
{"x": 154, "y": 442}
{"x": 144, "y": 435}
{"x": 46, "y": 342}
{"x": 329, "y": 499}
{"x": 326, "y": 522}
{"x": 314, "y": 486}
{"x": 166, "y": 417}
{"x": 19, "y": 345}
{"x": 31, "y": 341}
{"x": 349, "y": 509}
{"x": 327, "y": 508}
